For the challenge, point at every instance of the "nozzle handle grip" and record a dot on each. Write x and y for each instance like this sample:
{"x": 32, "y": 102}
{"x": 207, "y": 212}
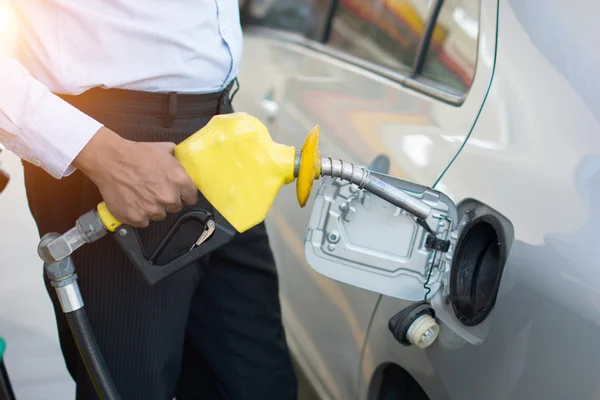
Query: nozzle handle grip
{"x": 129, "y": 240}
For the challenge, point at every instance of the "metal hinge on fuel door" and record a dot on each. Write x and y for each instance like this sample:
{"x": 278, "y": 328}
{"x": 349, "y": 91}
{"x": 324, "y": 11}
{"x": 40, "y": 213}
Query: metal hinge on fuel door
{"x": 360, "y": 239}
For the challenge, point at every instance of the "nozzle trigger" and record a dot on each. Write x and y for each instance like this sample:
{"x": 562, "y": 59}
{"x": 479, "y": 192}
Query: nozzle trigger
{"x": 208, "y": 231}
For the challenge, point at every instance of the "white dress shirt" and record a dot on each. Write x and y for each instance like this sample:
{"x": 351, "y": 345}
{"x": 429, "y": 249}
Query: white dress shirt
{"x": 69, "y": 46}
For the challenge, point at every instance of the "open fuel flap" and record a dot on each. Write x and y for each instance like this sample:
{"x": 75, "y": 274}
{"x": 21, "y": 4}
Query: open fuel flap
{"x": 449, "y": 264}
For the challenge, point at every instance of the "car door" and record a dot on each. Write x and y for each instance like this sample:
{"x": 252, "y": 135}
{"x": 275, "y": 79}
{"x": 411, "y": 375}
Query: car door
{"x": 386, "y": 80}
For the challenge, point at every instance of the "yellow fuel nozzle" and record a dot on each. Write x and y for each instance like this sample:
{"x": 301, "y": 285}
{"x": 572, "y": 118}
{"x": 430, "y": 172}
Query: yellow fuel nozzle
{"x": 238, "y": 167}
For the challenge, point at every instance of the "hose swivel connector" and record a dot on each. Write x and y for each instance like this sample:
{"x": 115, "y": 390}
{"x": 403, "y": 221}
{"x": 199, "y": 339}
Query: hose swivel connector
{"x": 61, "y": 273}
{"x": 55, "y": 247}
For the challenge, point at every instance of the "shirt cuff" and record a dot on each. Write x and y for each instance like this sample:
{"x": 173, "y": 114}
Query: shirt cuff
{"x": 59, "y": 132}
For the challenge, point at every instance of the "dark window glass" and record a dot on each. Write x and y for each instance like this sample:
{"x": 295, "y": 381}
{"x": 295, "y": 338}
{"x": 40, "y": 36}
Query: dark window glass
{"x": 385, "y": 32}
{"x": 452, "y": 54}
{"x": 298, "y": 16}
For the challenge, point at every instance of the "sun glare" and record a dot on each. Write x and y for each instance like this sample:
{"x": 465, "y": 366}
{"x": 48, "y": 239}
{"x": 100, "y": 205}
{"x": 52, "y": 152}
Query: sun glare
{"x": 7, "y": 30}
{"x": 3, "y": 20}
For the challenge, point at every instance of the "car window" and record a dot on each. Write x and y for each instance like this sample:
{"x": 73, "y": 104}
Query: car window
{"x": 385, "y": 32}
{"x": 304, "y": 17}
{"x": 451, "y": 56}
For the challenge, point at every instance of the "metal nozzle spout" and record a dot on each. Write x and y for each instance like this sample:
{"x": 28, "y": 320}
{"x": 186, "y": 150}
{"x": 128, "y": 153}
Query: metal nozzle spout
{"x": 362, "y": 177}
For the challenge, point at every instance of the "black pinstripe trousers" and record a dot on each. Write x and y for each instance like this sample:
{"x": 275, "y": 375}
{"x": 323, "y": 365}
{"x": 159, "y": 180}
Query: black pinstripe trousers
{"x": 215, "y": 337}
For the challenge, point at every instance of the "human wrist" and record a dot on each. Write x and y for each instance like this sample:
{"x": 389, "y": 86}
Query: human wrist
{"x": 96, "y": 154}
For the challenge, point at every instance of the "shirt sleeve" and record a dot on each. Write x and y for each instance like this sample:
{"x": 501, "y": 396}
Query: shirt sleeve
{"x": 37, "y": 125}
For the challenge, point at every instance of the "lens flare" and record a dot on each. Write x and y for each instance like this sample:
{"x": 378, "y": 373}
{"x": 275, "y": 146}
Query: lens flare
{"x": 3, "y": 20}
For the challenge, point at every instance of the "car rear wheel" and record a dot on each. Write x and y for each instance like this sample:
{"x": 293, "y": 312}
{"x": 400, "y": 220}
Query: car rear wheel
{"x": 397, "y": 384}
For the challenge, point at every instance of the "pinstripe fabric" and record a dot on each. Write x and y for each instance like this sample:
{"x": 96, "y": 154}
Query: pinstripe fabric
{"x": 224, "y": 329}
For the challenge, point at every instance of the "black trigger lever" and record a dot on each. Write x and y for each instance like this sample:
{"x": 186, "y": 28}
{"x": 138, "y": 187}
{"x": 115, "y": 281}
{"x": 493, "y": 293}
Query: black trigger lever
{"x": 217, "y": 232}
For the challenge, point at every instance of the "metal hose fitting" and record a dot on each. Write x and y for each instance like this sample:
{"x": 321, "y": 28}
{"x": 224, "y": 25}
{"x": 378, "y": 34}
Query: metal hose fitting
{"x": 363, "y": 178}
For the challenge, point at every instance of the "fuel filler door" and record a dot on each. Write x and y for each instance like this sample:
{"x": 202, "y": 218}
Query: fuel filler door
{"x": 362, "y": 240}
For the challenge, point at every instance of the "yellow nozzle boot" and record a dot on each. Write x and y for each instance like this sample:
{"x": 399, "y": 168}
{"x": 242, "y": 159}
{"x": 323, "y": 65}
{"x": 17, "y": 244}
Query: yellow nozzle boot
{"x": 238, "y": 167}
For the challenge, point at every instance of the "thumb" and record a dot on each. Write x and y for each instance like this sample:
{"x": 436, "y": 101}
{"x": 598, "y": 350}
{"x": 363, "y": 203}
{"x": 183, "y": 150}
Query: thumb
{"x": 166, "y": 147}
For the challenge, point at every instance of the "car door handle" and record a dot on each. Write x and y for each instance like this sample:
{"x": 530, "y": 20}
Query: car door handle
{"x": 381, "y": 164}
{"x": 270, "y": 105}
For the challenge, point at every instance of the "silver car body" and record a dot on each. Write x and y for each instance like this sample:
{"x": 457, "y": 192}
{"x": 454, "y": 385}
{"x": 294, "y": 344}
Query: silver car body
{"x": 524, "y": 141}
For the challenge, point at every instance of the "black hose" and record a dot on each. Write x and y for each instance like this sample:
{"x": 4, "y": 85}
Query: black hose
{"x": 6, "y": 391}
{"x": 92, "y": 359}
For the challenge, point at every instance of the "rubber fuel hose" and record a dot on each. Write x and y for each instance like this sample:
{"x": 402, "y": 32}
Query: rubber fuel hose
{"x": 92, "y": 358}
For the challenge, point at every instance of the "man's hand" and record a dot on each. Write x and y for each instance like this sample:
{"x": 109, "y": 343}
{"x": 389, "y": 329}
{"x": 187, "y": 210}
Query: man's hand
{"x": 139, "y": 181}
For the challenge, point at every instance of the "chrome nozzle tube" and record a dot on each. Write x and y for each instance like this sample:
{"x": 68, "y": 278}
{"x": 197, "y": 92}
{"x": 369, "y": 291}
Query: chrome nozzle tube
{"x": 397, "y": 197}
{"x": 362, "y": 177}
